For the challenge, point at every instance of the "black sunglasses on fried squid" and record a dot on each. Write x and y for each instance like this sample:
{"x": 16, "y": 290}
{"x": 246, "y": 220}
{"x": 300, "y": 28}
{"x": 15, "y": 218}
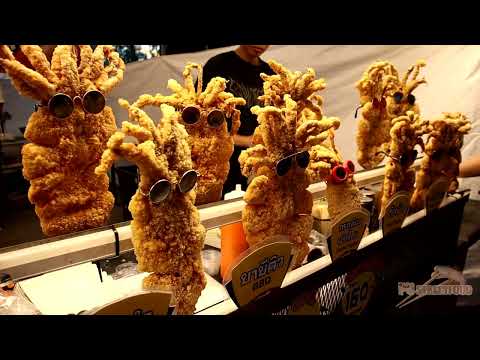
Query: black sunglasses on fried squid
{"x": 62, "y": 105}
{"x": 192, "y": 114}
{"x": 301, "y": 158}
{"x": 160, "y": 190}
{"x": 398, "y": 96}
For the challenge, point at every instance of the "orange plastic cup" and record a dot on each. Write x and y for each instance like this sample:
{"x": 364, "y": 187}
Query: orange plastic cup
{"x": 233, "y": 243}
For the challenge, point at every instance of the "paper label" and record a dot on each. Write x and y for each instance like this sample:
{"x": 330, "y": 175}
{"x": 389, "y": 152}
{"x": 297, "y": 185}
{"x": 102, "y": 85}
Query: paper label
{"x": 395, "y": 212}
{"x": 143, "y": 303}
{"x": 259, "y": 271}
{"x": 347, "y": 232}
{"x": 357, "y": 293}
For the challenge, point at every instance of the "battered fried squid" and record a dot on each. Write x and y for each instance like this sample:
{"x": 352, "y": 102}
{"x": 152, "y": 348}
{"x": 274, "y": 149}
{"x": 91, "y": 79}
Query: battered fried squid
{"x": 402, "y": 99}
{"x": 62, "y": 154}
{"x": 406, "y": 133}
{"x": 277, "y": 198}
{"x": 442, "y": 155}
{"x": 377, "y": 83}
{"x": 211, "y": 146}
{"x": 383, "y": 97}
{"x": 167, "y": 235}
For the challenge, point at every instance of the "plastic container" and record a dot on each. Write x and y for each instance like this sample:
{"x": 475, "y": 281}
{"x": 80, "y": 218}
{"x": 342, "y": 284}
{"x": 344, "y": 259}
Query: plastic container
{"x": 211, "y": 261}
{"x": 233, "y": 241}
{"x": 321, "y": 217}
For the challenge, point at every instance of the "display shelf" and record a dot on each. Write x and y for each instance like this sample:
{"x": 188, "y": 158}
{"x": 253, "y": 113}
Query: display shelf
{"x": 228, "y": 306}
{"x": 44, "y": 256}
{"x": 52, "y": 254}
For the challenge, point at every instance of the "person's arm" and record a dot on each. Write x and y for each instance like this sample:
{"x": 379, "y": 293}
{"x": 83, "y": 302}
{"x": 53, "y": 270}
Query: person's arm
{"x": 470, "y": 167}
{"x": 242, "y": 140}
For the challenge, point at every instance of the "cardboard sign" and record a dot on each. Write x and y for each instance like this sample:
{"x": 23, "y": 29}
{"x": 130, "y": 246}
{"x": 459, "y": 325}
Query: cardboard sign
{"x": 357, "y": 293}
{"x": 259, "y": 270}
{"x": 436, "y": 193}
{"x": 143, "y": 303}
{"x": 395, "y": 212}
{"x": 347, "y": 232}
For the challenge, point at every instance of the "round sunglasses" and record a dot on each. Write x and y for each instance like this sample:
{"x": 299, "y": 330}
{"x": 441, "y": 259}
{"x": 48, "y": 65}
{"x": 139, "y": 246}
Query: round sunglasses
{"x": 301, "y": 158}
{"x": 192, "y": 114}
{"x": 161, "y": 189}
{"x": 340, "y": 173}
{"x": 405, "y": 159}
{"x": 398, "y": 96}
{"x": 62, "y": 105}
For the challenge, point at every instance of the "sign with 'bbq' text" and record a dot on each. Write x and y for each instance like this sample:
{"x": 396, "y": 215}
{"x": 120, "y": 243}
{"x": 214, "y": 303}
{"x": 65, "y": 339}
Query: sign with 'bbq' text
{"x": 259, "y": 270}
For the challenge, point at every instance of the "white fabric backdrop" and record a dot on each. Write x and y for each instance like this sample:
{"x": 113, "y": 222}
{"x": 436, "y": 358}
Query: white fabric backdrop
{"x": 452, "y": 73}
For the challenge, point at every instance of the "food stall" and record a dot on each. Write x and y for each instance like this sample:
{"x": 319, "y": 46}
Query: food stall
{"x": 314, "y": 234}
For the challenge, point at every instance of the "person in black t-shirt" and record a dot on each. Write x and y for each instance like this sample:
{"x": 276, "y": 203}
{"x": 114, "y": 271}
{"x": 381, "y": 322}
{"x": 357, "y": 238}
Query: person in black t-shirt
{"x": 241, "y": 68}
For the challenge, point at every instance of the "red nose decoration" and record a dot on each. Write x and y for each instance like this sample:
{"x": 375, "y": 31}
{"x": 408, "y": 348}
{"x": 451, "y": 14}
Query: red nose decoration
{"x": 339, "y": 174}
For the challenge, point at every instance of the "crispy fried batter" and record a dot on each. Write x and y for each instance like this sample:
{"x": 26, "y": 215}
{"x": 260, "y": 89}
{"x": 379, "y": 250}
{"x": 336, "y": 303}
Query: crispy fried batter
{"x": 61, "y": 158}
{"x": 376, "y": 85}
{"x": 211, "y": 147}
{"x": 290, "y": 122}
{"x": 406, "y": 133}
{"x": 342, "y": 197}
{"x": 167, "y": 237}
{"x": 442, "y": 154}
{"x": 377, "y": 88}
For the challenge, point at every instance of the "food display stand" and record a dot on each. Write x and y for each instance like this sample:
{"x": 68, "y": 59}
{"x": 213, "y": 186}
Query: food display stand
{"x": 319, "y": 287}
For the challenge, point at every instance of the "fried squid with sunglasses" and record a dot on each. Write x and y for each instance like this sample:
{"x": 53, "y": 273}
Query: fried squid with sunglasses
{"x": 376, "y": 85}
{"x": 167, "y": 235}
{"x": 278, "y": 202}
{"x": 402, "y": 99}
{"x": 211, "y": 120}
{"x": 442, "y": 155}
{"x": 326, "y": 164}
{"x": 68, "y": 132}
{"x": 383, "y": 97}
{"x": 314, "y": 132}
{"x": 277, "y": 198}
{"x": 406, "y": 133}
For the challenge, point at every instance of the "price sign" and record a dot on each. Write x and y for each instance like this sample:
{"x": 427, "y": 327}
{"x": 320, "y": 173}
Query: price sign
{"x": 357, "y": 293}
{"x": 143, "y": 303}
{"x": 305, "y": 304}
{"x": 436, "y": 193}
{"x": 347, "y": 232}
{"x": 395, "y": 212}
{"x": 259, "y": 270}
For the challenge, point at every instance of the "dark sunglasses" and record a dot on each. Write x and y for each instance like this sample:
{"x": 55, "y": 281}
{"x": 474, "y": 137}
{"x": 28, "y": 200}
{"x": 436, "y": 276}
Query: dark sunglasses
{"x": 162, "y": 188}
{"x": 404, "y": 159}
{"x": 302, "y": 159}
{"x": 408, "y": 158}
{"x": 398, "y": 96}
{"x": 438, "y": 154}
{"x": 62, "y": 105}
{"x": 192, "y": 114}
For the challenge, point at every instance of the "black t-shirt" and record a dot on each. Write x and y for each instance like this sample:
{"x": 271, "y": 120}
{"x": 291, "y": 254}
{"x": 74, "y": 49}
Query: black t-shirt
{"x": 243, "y": 81}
